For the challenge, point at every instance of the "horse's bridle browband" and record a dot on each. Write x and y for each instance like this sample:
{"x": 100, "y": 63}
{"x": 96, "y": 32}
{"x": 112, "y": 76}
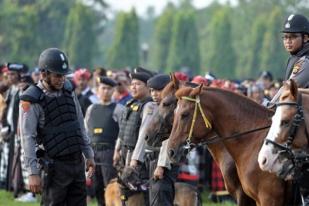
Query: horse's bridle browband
{"x": 213, "y": 139}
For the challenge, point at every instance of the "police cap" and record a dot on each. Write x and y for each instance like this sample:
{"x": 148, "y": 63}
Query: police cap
{"x": 296, "y": 23}
{"x": 141, "y": 74}
{"x": 108, "y": 81}
{"x": 54, "y": 60}
{"x": 159, "y": 81}
{"x": 17, "y": 67}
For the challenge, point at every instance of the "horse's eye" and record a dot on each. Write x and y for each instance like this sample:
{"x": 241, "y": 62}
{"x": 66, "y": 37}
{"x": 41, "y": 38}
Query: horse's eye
{"x": 185, "y": 115}
{"x": 284, "y": 123}
{"x": 166, "y": 104}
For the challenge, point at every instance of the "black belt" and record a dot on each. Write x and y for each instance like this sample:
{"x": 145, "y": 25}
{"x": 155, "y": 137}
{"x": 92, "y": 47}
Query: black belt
{"x": 70, "y": 158}
{"x": 152, "y": 155}
{"x": 102, "y": 146}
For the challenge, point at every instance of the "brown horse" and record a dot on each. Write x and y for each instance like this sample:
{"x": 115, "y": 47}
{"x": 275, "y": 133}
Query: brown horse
{"x": 229, "y": 115}
{"x": 287, "y": 137}
{"x": 162, "y": 124}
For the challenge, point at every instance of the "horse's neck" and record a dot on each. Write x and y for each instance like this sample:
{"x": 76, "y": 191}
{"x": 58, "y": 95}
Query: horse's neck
{"x": 234, "y": 116}
{"x": 234, "y": 113}
{"x": 305, "y": 103}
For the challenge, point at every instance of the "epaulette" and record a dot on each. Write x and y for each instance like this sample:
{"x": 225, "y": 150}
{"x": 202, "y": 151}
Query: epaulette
{"x": 68, "y": 86}
{"x": 32, "y": 94}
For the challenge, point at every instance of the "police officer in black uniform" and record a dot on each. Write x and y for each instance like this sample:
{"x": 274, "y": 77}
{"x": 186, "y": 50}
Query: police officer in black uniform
{"x": 162, "y": 173}
{"x": 102, "y": 121}
{"x": 296, "y": 42}
{"x": 51, "y": 119}
{"x": 131, "y": 121}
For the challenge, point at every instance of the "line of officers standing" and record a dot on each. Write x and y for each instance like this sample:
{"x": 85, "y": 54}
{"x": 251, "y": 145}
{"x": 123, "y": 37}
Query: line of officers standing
{"x": 56, "y": 138}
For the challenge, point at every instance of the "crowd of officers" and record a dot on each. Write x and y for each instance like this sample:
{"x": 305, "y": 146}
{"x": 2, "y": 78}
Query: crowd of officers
{"x": 60, "y": 128}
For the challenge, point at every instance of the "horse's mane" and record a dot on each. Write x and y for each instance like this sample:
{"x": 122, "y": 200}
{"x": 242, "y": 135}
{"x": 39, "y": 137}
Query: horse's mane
{"x": 168, "y": 89}
{"x": 245, "y": 103}
{"x": 185, "y": 91}
{"x": 171, "y": 87}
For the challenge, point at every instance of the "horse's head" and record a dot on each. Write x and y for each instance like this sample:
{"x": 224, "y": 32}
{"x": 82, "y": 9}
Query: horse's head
{"x": 161, "y": 123}
{"x": 190, "y": 122}
{"x": 286, "y": 135}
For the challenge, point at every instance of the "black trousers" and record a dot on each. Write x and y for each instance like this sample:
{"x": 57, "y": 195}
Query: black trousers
{"x": 162, "y": 191}
{"x": 66, "y": 184}
{"x": 104, "y": 173}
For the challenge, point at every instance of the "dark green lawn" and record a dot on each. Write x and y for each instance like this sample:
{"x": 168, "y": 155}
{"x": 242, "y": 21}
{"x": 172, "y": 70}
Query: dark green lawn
{"x": 6, "y": 199}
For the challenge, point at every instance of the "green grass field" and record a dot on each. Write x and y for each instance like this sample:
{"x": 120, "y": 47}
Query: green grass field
{"x": 6, "y": 199}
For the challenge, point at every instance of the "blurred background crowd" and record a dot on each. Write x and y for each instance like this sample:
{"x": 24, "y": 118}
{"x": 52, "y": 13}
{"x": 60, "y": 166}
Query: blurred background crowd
{"x": 199, "y": 169}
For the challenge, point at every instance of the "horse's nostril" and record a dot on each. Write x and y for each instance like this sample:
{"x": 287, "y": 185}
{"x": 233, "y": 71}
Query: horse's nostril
{"x": 147, "y": 137}
{"x": 264, "y": 161}
{"x": 171, "y": 153}
{"x": 186, "y": 151}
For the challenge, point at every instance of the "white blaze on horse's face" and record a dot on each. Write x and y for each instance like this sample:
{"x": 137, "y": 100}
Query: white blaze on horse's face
{"x": 268, "y": 158}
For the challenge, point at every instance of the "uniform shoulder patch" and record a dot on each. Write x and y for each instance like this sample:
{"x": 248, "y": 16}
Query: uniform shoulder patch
{"x": 150, "y": 110}
{"x": 25, "y": 105}
{"x": 297, "y": 66}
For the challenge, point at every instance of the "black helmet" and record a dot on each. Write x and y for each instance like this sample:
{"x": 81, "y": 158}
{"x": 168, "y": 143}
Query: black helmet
{"x": 296, "y": 23}
{"x": 54, "y": 60}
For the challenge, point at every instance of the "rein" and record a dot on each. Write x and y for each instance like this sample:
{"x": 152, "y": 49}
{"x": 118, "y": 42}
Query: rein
{"x": 213, "y": 139}
{"x": 216, "y": 139}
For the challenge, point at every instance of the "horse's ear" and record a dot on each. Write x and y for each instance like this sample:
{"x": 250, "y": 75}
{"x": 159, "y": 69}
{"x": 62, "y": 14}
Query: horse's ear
{"x": 293, "y": 88}
{"x": 174, "y": 80}
{"x": 196, "y": 91}
{"x": 200, "y": 88}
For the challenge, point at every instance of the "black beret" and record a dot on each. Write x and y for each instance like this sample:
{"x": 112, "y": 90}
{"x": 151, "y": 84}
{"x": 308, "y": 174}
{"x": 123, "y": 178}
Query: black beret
{"x": 142, "y": 76}
{"x": 159, "y": 81}
{"x": 108, "y": 81}
{"x": 17, "y": 67}
{"x": 26, "y": 78}
{"x": 141, "y": 69}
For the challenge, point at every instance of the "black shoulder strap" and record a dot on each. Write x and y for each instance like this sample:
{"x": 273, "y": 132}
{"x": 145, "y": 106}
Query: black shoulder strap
{"x": 32, "y": 94}
{"x": 145, "y": 101}
{"x": 68, "y": 86}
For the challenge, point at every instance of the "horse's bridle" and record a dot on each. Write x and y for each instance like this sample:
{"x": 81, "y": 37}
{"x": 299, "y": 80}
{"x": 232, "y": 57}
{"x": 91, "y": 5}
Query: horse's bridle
{"x": 297, "y": 119}
{"x": 198, "y": 105}
{"x": 213, "y": 139}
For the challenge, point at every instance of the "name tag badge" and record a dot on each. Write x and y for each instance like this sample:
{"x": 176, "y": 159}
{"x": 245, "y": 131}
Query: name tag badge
{"x": 134, "y": 107}
{"x": 98, "y": 130}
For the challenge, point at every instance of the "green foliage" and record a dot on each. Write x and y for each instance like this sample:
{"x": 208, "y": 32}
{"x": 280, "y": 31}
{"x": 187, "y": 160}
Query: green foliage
{"x": 162, "y": 37}
{"x": 28, "y": 27}
{"x": 273, "y": 56}
{"x": 220, "y": 55}
{"x": 254, "y": 54}
{"x": 125, "y": 49}
{"x": 80, "y": 36}
{"x": 18, "y": 26}
{"x": 184, "y": 46}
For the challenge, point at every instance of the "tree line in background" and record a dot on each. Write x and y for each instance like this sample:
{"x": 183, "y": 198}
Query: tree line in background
{"x": 231, "y": 41}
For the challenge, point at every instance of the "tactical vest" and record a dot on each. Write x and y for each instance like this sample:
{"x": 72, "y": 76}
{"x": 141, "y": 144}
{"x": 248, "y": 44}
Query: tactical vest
{"x": 130, "y": 122}
{"x": 61, "y": 134}
{"x": 102, "y": 127}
